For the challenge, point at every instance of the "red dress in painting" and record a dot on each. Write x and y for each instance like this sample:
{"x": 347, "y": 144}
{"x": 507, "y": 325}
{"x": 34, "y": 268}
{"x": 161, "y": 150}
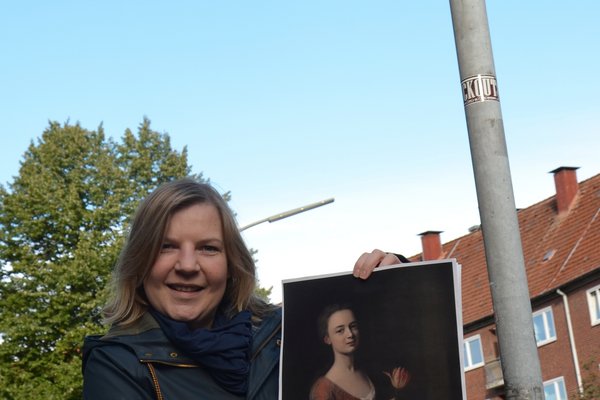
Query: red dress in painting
{"x": 324, "y": 389}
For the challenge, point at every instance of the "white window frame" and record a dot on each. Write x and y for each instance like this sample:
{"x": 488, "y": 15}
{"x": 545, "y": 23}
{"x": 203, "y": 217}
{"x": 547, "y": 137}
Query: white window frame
{"x": 556, "y": 384}
{"x": 544, "y": 313}
{"x": 467, "y": 352}
{"x": 593, "y": 297}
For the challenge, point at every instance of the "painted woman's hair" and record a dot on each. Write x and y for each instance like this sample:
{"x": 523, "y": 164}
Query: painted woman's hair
{"x": 326, "y": 313}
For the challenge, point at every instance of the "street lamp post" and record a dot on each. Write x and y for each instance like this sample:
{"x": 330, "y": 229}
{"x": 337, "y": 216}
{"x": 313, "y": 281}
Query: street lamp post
{"x": 289, "y": 213}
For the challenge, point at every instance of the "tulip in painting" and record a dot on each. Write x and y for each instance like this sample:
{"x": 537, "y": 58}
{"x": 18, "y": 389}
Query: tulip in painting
{"x": 399, "y": 378}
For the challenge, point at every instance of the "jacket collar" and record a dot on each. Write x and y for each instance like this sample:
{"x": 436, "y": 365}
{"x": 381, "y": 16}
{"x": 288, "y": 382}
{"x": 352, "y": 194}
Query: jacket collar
{"x": 145, "y": 323}
{"x": 145, "y": 338}
{"x": 266, "y": 350}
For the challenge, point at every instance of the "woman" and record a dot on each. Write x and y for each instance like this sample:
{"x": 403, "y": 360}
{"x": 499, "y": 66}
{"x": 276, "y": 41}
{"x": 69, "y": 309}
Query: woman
{"x": 339, "y": 329}
{"x": 185, "y": 322}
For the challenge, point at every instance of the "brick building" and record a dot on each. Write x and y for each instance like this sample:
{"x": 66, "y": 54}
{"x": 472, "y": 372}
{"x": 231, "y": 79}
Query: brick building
{"x": 561, "y": 246}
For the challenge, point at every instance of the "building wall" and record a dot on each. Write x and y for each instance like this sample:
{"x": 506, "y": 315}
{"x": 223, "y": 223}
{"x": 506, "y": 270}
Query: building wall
{"x": 475, "y": 379}
{"x": 556, "y": 358}
{"x": 587, "y": 337}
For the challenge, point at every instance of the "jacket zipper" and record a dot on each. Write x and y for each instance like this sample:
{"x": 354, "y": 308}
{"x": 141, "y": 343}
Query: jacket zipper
{"x": 155, "y": 383}
{"x": 157, "y": 390}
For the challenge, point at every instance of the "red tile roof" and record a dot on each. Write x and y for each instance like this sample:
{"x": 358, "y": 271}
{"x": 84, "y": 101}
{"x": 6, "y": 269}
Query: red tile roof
{"x": 557, "y": 249}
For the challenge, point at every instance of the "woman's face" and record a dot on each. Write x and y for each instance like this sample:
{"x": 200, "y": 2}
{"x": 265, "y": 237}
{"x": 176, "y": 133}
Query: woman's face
{"x": 342, "y": 332}
{"x": 188, "y": 279}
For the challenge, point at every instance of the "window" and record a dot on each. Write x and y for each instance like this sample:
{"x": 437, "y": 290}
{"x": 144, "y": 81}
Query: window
{"x": 473, "y": 356}
{"x": 554, "y": 389}
{"x": 543, "y": 326}
{"x": 593, "y": 296}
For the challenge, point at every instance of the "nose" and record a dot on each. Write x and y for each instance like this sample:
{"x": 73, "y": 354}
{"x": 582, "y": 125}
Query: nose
{"x": 187, "y": 261}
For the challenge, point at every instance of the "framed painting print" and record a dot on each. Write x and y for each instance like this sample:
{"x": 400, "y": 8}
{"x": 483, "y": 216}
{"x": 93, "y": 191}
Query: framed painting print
{"x": 396, "y": 335}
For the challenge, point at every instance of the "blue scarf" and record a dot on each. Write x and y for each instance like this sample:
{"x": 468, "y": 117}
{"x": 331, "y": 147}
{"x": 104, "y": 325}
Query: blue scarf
{"x": 223, "y": 349}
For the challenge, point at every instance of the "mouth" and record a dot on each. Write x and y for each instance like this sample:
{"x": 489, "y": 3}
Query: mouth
{"x": 184, "y": 288}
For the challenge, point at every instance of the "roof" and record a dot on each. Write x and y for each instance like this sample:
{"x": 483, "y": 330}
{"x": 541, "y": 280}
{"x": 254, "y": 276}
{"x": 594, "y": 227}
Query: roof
{"x": 557, "y": 249}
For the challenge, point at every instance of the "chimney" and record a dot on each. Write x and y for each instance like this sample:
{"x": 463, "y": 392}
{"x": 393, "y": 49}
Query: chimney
{"x": 565, "y": 181}
{"x": 432, "y": 245}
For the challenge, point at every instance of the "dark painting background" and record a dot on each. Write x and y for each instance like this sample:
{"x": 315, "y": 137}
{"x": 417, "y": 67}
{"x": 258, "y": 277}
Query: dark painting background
{"x": 407, "y": 317}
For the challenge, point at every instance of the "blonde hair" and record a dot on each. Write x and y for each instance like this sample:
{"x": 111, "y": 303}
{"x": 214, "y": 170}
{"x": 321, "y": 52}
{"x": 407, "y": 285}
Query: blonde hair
{"x": 128, "y": 302}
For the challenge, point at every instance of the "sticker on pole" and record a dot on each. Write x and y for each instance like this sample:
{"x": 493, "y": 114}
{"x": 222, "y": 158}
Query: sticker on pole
{"x": 479, "y": 88}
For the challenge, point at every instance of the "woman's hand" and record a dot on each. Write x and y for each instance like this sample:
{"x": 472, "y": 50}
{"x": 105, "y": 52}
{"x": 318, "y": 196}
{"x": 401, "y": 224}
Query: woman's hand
{"x": 367, "y": 262}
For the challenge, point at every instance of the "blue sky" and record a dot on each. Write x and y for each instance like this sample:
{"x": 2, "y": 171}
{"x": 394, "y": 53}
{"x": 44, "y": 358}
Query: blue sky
{"x": 288, "y": 103}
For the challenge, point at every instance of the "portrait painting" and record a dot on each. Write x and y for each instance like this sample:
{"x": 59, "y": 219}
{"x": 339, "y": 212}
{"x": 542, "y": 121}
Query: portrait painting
{"x": 396, "y": 335}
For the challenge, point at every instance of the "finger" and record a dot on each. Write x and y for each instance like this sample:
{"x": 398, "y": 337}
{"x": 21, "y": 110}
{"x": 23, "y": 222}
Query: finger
{"x": 359, "y": 264}
{"x": 367, "y": 263}
{"x": 389, "y": 259}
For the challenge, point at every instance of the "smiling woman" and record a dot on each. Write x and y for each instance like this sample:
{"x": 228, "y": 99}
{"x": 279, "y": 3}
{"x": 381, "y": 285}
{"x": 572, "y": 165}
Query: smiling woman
{"x": 188, "y": 278}
{"x": 185, "y": 321}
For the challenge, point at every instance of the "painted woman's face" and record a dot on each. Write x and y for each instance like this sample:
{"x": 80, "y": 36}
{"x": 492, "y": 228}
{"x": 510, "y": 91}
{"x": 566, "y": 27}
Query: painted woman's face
{"x": 342, "y": 332}
{"x": 188, "y": 279}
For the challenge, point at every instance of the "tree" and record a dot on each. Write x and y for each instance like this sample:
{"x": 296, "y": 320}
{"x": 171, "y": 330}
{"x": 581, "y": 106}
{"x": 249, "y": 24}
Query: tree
{"x": 590, "y": 383}
{"x": 264, "y": 293}
{"x": 62, "y": 223}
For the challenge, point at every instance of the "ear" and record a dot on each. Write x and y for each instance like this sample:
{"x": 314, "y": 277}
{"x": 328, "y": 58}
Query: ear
{"x": 326, "y": 339}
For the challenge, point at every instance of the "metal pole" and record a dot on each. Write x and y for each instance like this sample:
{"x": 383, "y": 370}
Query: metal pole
{"x": 502, "y": 240}
{"x": 289, "y": 213}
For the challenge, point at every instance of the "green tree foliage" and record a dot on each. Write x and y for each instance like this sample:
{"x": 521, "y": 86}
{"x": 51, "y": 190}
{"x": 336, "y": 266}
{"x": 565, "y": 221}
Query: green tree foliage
{"x": 264, "y": 293}
{"x": 590, "y": 383}
{"x": 62, "y": 222}
{"x": 260, "y": 291}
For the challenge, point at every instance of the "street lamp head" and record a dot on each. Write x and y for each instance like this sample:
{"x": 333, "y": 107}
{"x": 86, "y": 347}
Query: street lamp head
{"x": 289, "y": 213}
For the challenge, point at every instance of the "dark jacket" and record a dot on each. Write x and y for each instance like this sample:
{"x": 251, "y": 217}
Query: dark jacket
{"x": 139, "y": 362}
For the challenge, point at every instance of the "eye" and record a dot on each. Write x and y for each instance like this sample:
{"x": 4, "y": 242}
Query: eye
{"x": 167, "y": 246}
{"x": 209, "y": 249}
